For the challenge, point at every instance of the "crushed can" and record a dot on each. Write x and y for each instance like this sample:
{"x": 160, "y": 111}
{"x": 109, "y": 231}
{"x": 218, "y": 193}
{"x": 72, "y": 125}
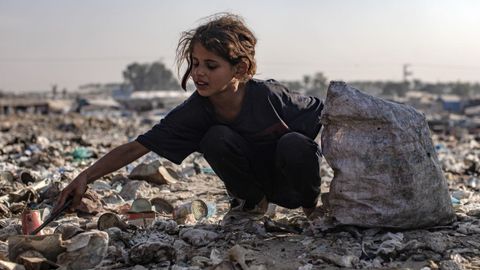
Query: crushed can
{"x": 31, "y": 219}
{"x": 109, "y": 220}
{"x": 197, "y": 208}
{"x": 141, "y": 213}
{"x": 141, "y": 219}
{"x": 162, "y": 206}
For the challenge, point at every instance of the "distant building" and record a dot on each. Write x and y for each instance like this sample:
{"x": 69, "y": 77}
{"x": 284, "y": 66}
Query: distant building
{"x": 39, "y": 106}
{"x": 150, "y": 100}
{"x": 99, "y": 104}
{"x": 473, "y": 111}
{"x": 452, "y": 103}
{"x": 425, "y": 102}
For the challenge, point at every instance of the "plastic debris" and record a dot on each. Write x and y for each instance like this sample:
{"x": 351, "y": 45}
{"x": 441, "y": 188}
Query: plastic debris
{"x": 37, "y": 145}
{"x": 387, "y": 173}
{"x": 81, "y": 153}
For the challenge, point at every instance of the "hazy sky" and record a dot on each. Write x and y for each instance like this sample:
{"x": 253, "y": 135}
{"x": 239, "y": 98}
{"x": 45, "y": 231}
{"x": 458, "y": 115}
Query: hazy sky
{"x": 70, "y": 43}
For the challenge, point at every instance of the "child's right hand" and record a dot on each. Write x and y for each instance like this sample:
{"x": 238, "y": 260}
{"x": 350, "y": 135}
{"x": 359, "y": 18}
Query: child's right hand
{"x": 74, "y": 190}
{"x": 112, "y": 161}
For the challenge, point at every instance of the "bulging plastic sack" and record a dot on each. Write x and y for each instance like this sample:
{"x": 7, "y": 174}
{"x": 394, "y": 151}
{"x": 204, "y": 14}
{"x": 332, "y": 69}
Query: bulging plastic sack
{"x": 386, "y": 171}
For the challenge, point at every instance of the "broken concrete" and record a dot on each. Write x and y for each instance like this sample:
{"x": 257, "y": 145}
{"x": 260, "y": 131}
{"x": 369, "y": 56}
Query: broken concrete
{"x": 84, "y": 251}
{"x": 287, "y": 241}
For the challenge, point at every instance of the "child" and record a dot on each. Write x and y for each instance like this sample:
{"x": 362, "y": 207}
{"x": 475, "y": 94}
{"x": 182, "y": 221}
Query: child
{"x": 256, "y": 135}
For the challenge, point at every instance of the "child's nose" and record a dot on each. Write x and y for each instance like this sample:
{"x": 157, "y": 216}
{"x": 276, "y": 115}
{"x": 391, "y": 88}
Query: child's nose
{"x": 199, "y": 71}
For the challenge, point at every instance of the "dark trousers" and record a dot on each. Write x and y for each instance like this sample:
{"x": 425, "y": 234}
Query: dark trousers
{"x": 287, "y": 172}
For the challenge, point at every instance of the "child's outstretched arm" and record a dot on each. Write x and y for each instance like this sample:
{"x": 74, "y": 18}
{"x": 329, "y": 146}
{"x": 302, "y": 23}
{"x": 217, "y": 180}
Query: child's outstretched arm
{"x": 112, "y": 161}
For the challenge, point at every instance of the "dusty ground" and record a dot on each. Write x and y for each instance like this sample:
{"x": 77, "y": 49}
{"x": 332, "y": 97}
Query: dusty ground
{"x": 45, "y": 147}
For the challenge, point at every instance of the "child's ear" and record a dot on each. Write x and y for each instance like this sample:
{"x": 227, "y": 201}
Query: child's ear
{"x": 241, "y": 70}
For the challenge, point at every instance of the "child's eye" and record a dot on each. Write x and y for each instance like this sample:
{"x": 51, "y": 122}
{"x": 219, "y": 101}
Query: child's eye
{"x": 211, "y": 66}
{"x": 195, "y": 64}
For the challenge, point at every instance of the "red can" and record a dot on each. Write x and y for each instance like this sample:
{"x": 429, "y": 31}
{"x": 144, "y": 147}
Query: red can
{"x": 30, "y": 221}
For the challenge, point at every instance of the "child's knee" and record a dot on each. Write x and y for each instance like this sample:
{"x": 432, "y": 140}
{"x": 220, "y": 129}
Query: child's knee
{"x": 216, "y": 140}
{"x": 295, "y": 146}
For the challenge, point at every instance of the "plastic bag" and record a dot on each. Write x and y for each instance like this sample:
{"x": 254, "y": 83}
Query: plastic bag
{"x": 386, "y": 171}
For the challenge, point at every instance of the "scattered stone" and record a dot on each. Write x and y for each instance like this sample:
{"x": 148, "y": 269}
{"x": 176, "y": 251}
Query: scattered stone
{"x": 33, "y": 260}
{"x": 237, "y": 254}
{"x": 84, "y": 251}
{"x": 225, "y": 265}
{"x": 3, "y": 250}
{"x": 391, "y": 243}
{"x": 306, "y": 267}
{"x": 112, "y": 197}
{"x": 5, "y": 265}
{"x": 152, "y": 172}
{"x": 116, "y": 235}
{"x": 200, "y": 261}
{"x": 4, "y": 211}
{"x": 152, "y": 252}
{"x": 101, "y": 185}
{"x": 68, "y": 230}
{"x": 168, "y": 226}
{"x": 215, "y": 256}
{"x": 50, "y": 246}
{"x": 198, "y": 237}
{"x": 347, "y": 261}
{"x": 135, "y": 189}
{"x": 437, "y": 242}
{"x": 474, "y": 213}
{"x": 139, "y": 267}
{"x": 450, "y": 265}
{"x": 287, "y": 241}
{"x": 10, "y": 229}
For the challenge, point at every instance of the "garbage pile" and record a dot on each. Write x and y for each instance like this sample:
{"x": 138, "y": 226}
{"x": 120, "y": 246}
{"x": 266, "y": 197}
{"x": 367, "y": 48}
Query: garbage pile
{"x": 154, "y": 214}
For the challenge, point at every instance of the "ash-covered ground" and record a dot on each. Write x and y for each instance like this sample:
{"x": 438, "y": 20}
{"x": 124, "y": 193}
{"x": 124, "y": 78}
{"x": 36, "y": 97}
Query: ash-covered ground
{"x": 40, "y": 154}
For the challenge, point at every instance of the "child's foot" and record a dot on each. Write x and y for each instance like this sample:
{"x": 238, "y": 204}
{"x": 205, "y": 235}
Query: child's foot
{"x": 313, "y": 213}
{"x": 238, "y": 205}
{"x": 238, "y": 212}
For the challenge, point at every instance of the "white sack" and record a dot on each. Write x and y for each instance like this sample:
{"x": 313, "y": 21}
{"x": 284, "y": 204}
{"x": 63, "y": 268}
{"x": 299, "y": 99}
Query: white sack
{"x": 386, "y": 171}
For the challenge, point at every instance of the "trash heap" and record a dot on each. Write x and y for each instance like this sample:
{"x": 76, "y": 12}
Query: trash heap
{"x": 154, "y": 214}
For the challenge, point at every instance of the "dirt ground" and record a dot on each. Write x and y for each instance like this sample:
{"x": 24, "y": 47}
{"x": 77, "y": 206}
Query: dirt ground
{"x": 49, "y": 149}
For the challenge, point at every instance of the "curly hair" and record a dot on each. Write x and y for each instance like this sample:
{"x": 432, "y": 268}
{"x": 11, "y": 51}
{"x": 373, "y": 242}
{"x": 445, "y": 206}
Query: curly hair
{"x": 224, "y": 34}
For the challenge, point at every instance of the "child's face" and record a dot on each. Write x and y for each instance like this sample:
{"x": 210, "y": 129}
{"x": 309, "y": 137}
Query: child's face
{"x": 211, "y": 73}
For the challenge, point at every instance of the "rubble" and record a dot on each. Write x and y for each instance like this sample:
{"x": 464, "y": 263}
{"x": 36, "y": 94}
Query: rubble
{"x": 5, "y": 265}
{"x": 152, "y": 252}
{"x": 84, "y": 251}
{"x": 43, "y": 146}
{"x": 49, "y": 246}
{"x": 197, "y": 237}
{"x": 152, "y": 172}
